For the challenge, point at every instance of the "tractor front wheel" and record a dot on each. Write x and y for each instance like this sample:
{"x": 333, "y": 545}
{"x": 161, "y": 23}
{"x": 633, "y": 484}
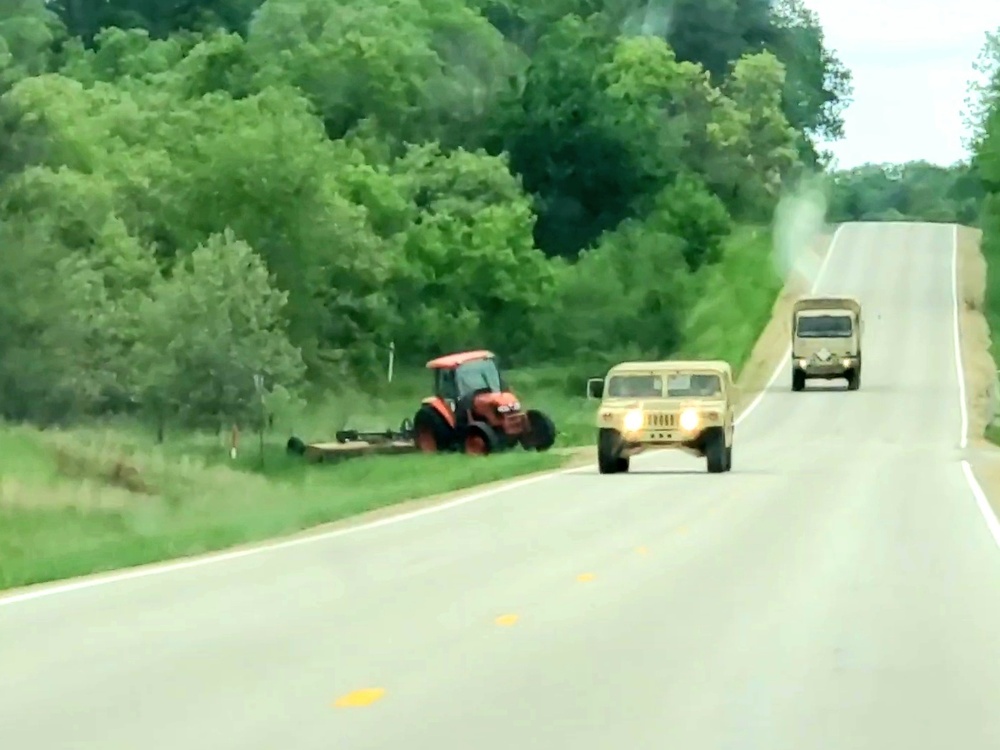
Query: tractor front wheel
{"x": 480, "y": 440}
{"x": 541, "y": 431}
{"x": 431, "y": 432}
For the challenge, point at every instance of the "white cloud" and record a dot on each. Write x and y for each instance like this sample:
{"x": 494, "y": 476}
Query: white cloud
{"x": 911, "y": 61}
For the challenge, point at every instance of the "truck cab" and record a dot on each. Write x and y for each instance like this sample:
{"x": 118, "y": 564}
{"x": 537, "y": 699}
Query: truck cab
{"x": 826, "y": 340}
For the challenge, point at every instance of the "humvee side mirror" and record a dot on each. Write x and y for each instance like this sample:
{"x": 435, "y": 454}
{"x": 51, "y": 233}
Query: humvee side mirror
{"x": 595, "y": 388}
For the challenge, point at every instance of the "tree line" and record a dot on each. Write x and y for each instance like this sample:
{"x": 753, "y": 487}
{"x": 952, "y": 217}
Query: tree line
{"x": 983, "y": 123}
{"x": 206, "y": 204}
{"x": 915, "y": 191}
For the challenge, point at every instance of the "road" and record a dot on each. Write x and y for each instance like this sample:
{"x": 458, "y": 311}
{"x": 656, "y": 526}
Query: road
{"x": 839, "y": 590}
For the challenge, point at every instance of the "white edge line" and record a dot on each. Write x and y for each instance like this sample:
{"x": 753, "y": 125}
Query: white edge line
{"x": 788, "y": 351}
{"x": 153, "y": 569}
{"x": 992, "y": 523}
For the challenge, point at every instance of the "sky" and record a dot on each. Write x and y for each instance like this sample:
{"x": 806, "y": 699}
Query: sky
{"x": 911, "y": 61}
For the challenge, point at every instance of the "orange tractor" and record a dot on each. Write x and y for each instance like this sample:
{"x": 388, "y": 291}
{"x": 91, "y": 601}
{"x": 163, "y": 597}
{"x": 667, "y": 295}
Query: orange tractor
{"x": 473, "y": 411}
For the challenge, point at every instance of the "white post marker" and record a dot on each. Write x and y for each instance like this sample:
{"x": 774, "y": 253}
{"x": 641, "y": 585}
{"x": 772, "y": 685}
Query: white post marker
{"x": 392, "y": 359}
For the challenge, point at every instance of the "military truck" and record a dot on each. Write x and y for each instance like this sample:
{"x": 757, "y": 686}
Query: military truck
{"x": 826, "y": 340}
{"x": 679, "y": 405}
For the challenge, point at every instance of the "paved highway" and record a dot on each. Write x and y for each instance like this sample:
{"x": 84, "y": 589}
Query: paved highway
{"x": 839, "y": 590}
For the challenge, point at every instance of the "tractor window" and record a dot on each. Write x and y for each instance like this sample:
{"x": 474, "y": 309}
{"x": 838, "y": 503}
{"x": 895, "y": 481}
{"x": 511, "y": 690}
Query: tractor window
{"x": 478, "y": 375}
{"x": 445, "y": 384}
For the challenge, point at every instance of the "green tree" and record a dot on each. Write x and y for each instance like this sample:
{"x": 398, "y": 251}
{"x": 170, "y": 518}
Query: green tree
{"x": 209, "y": 329}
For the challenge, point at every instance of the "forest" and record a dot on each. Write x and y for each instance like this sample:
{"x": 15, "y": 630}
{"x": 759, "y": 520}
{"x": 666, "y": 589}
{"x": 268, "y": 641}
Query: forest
{"x": 203, "y": 203}
{"x": 916, "y": 191}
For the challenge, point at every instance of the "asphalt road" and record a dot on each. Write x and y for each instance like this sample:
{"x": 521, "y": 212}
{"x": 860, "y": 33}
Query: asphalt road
{"x": 839, "y": 590}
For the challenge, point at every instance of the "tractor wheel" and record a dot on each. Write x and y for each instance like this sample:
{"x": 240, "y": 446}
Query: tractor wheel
{"x": 431, "y": 432}
{"x": 541, "y": 432}
{"x": 480, "y": 440}
{"x": 295, "y": 446}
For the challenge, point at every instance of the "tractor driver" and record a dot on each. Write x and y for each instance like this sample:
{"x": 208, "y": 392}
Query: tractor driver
{"x": 460, "y": 406}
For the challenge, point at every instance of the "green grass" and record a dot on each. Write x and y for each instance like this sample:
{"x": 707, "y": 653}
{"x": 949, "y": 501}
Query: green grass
{"x": 88, "y": 501}
{"x": 91, "y": 500}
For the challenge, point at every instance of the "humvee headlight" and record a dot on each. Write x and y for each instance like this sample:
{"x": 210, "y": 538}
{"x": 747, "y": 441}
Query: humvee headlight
{"x": 633, "y": 420}
{"x": 689, "y": 419}
{"x": 846, "y": 361}
{"x": 803, "y": 363}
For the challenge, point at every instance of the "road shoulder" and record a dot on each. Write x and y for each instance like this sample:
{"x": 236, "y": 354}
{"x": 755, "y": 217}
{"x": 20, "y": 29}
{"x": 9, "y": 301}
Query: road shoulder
{"x": 977, "y": 363}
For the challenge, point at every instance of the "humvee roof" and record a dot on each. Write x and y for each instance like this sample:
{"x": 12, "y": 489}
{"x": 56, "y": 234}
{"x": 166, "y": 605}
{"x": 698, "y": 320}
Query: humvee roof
{"x": 673, "y": 364}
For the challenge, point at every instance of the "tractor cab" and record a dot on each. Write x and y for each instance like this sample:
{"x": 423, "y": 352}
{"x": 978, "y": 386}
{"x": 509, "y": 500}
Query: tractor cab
{"x": 467, "y": 377}
{"x": 473, "y": 410}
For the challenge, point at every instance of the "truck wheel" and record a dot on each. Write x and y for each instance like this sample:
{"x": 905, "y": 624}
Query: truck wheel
{"x": 431, "y": 432}
{"x": 541, "y": 431}
{"x": 715, "y": 452}
{"x": 798, "y": 380}
{"x": 729, "y": 458}
{"x": 854, "y": 380}
{"x": 608, "y": 461}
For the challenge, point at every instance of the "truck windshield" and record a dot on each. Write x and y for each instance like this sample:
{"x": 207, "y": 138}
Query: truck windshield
{"x": 824, "y": 326}
{"x": 477, "y": 375}
{"x": 678, "y": 385}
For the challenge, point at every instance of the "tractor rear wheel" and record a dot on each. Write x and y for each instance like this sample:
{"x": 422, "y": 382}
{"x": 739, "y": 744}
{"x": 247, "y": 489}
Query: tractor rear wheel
{"x": 431, "y": 432}
{"x": 541, "y": 432}
{"x": 480, "y": 440}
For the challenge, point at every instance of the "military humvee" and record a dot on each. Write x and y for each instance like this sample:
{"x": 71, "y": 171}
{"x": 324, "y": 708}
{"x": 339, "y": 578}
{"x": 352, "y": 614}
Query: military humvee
{"x": 826, "y": 340}
{"x": 687, "y": 406}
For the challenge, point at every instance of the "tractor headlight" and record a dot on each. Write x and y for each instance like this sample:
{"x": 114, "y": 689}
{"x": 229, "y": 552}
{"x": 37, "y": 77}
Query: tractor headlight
{"x": 803, "y": 363}
{"x": 846, "y": 362}
{"x": 633, "y": 420}
{"x": 689, "y": 419}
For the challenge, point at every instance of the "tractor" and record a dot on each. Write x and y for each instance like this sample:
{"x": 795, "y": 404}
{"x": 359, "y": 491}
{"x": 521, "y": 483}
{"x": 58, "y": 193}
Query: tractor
{"x": 473, "y": 411}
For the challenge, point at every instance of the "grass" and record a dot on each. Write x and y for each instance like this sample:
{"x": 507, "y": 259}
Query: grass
{"x": 90, "y": 500}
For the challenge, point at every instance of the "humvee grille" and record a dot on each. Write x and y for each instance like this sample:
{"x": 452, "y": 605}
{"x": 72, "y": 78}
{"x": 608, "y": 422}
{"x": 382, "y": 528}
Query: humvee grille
{"x": 661, "y": 420}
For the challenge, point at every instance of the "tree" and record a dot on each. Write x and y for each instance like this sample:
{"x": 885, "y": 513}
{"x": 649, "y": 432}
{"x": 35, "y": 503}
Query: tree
{"x": 210, "y": 327}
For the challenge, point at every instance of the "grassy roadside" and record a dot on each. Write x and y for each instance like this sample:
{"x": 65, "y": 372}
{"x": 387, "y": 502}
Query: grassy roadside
{"x": 90, "y": 500}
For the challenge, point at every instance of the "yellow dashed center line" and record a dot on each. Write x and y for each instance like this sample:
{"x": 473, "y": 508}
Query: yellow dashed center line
{"x": 642, "y": 550}
{"x": 359, "y": 698}
{"x": 506, "y": 620}
{"x": 584, "y": 577}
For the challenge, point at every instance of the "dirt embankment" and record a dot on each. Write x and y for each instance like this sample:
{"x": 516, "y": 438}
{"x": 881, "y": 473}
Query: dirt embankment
{"x": 981, "y": 393}
{"x": 980, "y": 371}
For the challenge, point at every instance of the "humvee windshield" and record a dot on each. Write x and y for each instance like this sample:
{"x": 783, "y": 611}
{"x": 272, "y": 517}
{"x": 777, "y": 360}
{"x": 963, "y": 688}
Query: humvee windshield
{"x": 678, "y": 385}
{"x": 823, "y": 326}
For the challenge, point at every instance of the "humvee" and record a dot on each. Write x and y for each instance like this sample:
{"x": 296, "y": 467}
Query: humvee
{"x": 826, "y": 340}
{"x": 679, "y": 405}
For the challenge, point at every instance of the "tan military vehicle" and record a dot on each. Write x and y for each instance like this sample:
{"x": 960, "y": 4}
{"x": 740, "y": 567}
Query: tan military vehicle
{"x": 826, "y": 340}
{"x": 687, "y": 406}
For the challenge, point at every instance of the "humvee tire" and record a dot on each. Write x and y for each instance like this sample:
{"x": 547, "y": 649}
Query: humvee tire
{"x": 798, "y": 380}
{"x": 716, "y": 452}
{"x": 608, "y": 462}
